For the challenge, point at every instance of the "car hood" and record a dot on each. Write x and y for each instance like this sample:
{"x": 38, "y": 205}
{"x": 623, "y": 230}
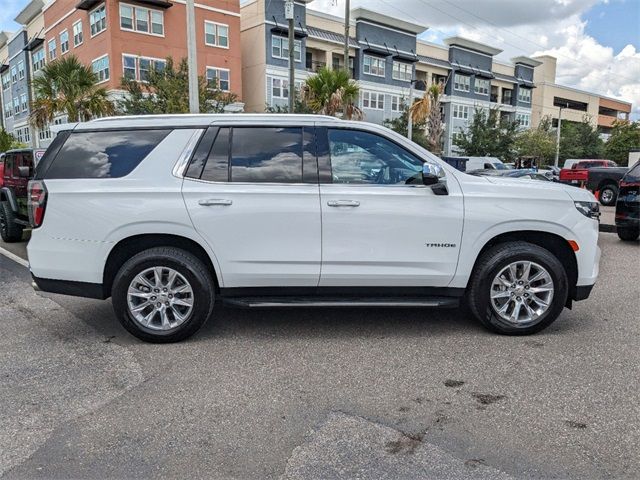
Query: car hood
{"x": 539, "y": 187}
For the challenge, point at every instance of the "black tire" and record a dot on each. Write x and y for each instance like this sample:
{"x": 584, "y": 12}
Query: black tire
{"x": 628, "y": 234}
{"x": 189, "y": 266}
{"x": 491, "y": 263}
{"x": 10, "y": 231}
{"x": 609, "y": 198}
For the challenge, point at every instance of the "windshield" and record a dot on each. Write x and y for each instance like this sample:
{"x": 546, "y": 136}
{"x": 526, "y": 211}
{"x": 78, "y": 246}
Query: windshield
{"x": 500, "y": 166}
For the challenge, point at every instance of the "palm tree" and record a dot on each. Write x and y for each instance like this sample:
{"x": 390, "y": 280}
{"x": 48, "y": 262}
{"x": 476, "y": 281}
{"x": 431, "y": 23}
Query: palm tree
{"x": 329, "y": 92}
{"x": 428, "y": 109}
{"x": 66, "y": 86}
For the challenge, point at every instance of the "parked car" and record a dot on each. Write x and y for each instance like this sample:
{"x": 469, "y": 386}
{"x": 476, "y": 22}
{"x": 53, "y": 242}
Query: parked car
{"x": 551, "y": 172}
{"x": 587, "y": 163}
{"x": 476, "y": 163}
{"x": 577, "y": 171}
{"x": 528, "y": 174}
{"x": 1, "y": 170}
{"x": 604, "y": 181}
{"x": 18, "y": 167}
{"x": 166, "y": 214}
{"x": 628, "y": 205}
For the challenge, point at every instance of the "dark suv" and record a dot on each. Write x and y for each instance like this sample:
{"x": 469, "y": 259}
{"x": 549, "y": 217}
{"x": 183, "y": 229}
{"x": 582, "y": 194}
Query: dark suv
{"x": 628, "y": 205}
{"x": 18, "y": 168}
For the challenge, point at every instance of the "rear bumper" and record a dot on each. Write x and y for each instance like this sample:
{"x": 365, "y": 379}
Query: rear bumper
{"x": 582, "y": 292}
{"x": 66, "y": 287}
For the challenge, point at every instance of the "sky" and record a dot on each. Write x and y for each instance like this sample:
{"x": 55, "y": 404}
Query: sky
{"x": 596, "y": 42}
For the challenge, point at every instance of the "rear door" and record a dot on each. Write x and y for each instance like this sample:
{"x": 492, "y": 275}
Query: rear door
{"x": 252, "y": 192}
{"x": 381, "y": 226}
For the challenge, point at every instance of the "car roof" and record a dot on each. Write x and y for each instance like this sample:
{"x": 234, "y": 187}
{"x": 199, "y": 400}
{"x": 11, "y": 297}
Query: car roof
{"x": 199, "y": 121}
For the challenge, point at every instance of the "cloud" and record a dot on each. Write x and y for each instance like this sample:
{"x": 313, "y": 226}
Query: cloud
{"x": 553, "y": 27}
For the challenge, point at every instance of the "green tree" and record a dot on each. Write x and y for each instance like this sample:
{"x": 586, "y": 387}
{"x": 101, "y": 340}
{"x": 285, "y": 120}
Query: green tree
{"x": 400, "y": 125}
{"x": 8, "y": 141}
{"x": 537, "y": 142}
{"x": 580, "y": 140}
{"x": 330, "y": 92}
{"x": 66, "y": 86}
{"x": 624, "y": 136}
{"x": 167, "y": 91}
{"x": 488, "y": 134}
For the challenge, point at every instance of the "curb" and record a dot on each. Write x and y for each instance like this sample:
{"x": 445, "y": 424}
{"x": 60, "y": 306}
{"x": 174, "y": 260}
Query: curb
{"x": 607, "y": 228}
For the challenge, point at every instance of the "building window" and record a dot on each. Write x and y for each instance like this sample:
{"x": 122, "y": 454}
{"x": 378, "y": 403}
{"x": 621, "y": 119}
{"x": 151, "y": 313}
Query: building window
{"x": 14, "y": 74}
{"x": 37, "y": 59}
{"x": 7, "y": 110}
{"x": 461, "y": 82}
{"x": 373, "y": 100}
{"x": 402, "y": 71}
{"x": 24, "y": 102}
{"x": 374, "y": 66}
{"x": 98, "y": 20}
{"x": 395, "y": 103}
{"x": 100, "y": 67}
{"x": 506, "y": 96}
{"x": 23, "y": 135}
{"x": 481, "y": 86}
{"x": 16, "y": 106}
{"x": 216, "y": 34}
{"x": 141, "y": 20}
{"x": 77, "y": 33}
{"x": 126, "y": 17}
{"x": 460, "y": 111}
{"x": 139, "y": 68}
{"x": 280, "y": 48}
{"x": 524, "y": 95}
{"x": 21, "y": 70}
{"x": 64, "y": 42}
{"x": 523, "y": 119}
{"x": 44, "y": 133}
{"x": 52, "y": 49}
{"x": 279, "y": 88}
{"x": 6, "y": 81}
{"x": 218, "y": 78}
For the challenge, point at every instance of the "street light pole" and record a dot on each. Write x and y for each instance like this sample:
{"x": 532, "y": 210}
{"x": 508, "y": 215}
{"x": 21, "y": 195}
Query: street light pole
{"x": 289, "y": 15}
{"x": 347, "y": 7}
{"x": 409, "y": 113}
{"x": 194, "y": 100}
{"x": 557, "y": 159}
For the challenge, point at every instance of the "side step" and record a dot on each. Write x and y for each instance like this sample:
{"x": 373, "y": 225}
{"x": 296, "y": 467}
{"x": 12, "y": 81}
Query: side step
{"x": 342, "y": 302}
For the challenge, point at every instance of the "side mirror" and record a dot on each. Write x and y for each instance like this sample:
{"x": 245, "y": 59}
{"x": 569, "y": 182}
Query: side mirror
{"x": 431, "y": 174}
{"x": 24, "y": 172}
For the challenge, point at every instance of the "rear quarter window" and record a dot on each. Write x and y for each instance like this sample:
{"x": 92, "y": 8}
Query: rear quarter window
{"x": 105, "y": 154}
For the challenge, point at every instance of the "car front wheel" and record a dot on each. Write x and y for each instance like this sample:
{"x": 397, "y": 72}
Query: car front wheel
{"x": 628, "y": 234}
{"x": 517, "y": 288}
{"x": 163, "y": 295}
{"x": 608, "y": 195}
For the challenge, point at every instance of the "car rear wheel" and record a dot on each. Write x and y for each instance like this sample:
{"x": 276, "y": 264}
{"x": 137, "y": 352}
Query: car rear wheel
{"x": 608, "y": 195}
{"x": 10, "y": 231}
{"x": 628, "y": 234}
{"x": 517, "y": 288}
{"x": 163, "y": 295}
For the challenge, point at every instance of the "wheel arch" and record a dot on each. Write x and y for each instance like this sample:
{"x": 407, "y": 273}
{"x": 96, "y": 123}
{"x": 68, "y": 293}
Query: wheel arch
{"x": 555, "y": 243}
{"x": 7, "y": 195}
{"x": 132, "y": 245}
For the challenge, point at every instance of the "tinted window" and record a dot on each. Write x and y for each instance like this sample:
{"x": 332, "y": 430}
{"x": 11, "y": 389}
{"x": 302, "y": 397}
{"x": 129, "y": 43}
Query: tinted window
{"x": 362, "y": 157}
{"x": 633, "y": 175}
{"x": 261, "y": 155}
{"x": 108, "y": 154}
{"x": 217, "y": 167}
{"x": 201, "y": 153}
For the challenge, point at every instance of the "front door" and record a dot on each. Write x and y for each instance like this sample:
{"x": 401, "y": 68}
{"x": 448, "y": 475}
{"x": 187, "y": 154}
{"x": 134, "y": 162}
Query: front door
{"x": 380, "y": 225}
{"x": 252, "y": 193}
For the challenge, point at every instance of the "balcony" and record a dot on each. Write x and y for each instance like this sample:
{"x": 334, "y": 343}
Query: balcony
{"x": 314, "y": 65}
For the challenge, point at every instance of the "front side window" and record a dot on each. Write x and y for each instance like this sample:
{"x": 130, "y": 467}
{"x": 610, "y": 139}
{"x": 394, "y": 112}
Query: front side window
{"x": 481, "y": 86}
{"x": 111, "y": 154}
{"x": 365, "y": 158}
{"x": 218, "y": 78}
{"x": 77, "y": 33}
{"x": 402, "y": 71}
{"x": 266, "y": 155}
{"x": 461, "y": 82}
{"x": 374, "y": 66}
{"x": 101, "y": 68}
{"x": 216, "y": 34}
{"x": 98, "y": 20}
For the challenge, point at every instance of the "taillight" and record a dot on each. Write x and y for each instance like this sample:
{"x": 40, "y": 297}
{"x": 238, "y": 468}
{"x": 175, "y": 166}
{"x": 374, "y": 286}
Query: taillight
{"x": 37, "y": 202}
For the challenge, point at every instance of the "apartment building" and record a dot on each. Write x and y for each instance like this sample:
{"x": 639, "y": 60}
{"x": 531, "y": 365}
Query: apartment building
{"x": 549, "y": 99}
{"x": 386, "y": 58}
{"x": 119, "y": 39}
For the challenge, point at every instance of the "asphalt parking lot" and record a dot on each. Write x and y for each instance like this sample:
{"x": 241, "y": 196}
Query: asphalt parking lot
{"x": 322, "y": 393}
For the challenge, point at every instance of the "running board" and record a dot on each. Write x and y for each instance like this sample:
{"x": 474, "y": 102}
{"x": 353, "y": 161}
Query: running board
{"x": 344, "y": 302}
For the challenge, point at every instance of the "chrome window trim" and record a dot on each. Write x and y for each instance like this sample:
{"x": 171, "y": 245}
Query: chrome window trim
{"x": 180, "y": 167}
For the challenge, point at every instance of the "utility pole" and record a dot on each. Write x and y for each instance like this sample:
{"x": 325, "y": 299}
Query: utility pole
{"x": 194, "y": 100}
{"x": 347, "y": 8}
{"x": 409, "y": 113}
{"x": 557, "y": 159}
{"x": 290, "y": 15}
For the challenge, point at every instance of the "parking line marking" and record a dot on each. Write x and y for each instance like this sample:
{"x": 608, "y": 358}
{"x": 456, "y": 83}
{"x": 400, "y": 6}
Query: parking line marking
{"x": 14, "y": 257}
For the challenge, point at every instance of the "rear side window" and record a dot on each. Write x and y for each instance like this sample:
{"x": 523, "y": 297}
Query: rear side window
{"x": 633, "y": 175}
{"x": 106, "y": 154}
{"x": 266, "y": 155}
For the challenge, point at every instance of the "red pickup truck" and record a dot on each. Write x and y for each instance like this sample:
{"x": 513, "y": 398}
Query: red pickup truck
{"x": 577, "y": 171}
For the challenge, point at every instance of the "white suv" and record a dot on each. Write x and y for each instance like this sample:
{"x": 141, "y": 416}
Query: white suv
{"x": 167, "y": 214}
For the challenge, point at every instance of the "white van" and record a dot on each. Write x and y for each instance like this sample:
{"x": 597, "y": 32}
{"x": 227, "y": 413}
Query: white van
{"x": 485, "y": 163}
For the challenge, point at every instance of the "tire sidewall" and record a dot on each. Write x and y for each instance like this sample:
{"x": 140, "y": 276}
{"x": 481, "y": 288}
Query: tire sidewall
{"x": 614, "y": 192}
{"x": 543, "y": 258}
{"x": 203, "y": 297}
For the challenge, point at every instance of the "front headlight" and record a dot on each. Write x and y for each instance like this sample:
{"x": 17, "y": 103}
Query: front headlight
{"x": 589, "y": 209}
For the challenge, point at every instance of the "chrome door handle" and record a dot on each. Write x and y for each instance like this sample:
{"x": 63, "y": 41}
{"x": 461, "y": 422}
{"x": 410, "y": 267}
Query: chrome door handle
{"x": 343, "y": 203}
{"x": 215, "y": 201}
